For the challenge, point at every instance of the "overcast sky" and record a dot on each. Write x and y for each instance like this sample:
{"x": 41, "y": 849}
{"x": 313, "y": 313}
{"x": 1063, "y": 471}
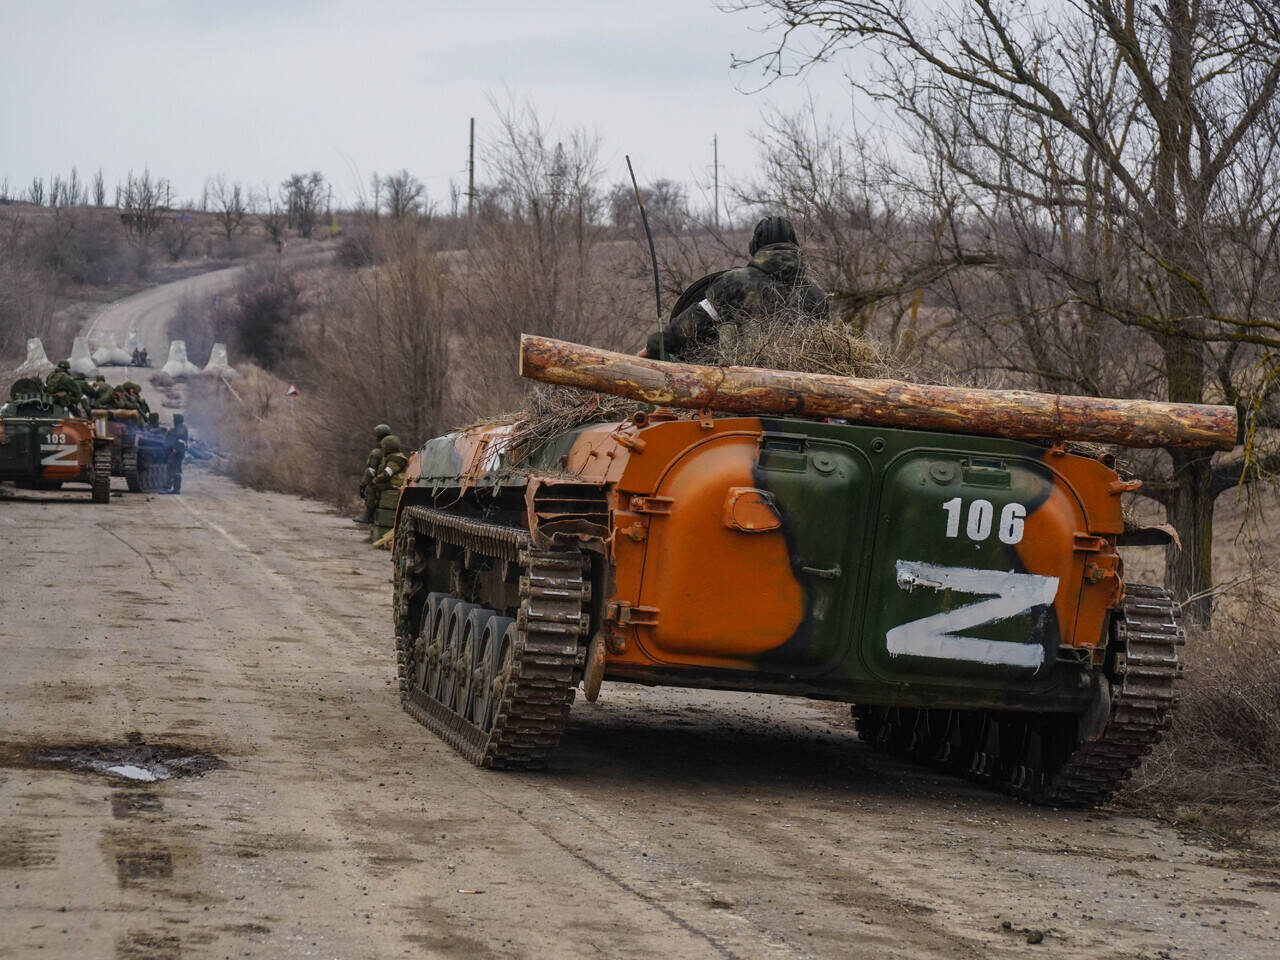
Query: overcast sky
{"x": 256, "y": 89}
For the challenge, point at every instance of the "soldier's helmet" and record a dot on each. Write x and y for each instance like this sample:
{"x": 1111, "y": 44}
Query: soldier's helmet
{"x": 177, "y": 419}
{"x": 381, "y": 430}
{"x": 389, "y": 444}
{"x": 772, "y": 230}
{"x": 64, "y": 364}
{"x": 130, "y": 387}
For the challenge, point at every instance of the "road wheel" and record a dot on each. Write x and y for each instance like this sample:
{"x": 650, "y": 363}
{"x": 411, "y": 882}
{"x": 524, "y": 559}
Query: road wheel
{"x": 467, "y": 658}
{"x": 497, "y": 641}
{"x": 129, "y": 466}
{"x": 100, "y": 479}
{"x": 452, "y": 654}
{"x": 433, "y": 661}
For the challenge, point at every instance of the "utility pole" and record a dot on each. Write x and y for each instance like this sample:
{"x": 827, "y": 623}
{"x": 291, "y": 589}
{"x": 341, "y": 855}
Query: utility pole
{"x": 715, "y": 173}
{"x": 471, "y": 172}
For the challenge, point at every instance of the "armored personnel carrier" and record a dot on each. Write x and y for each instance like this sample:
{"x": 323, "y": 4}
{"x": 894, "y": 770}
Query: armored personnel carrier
{"x": 43, "y": 445}
{"x": 963, "y": 591}
{"x": 138, "y": 452}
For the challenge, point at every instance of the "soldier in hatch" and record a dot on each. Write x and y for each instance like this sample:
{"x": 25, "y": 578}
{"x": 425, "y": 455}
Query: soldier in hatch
{"x": 773, "y": 280}
{"x": 371, "y": 465}
{"x": 61, "y": 387}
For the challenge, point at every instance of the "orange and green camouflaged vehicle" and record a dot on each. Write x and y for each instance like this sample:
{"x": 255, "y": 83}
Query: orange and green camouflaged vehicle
{"x": 963, "y": 592}
{"x": 43, "y": 445}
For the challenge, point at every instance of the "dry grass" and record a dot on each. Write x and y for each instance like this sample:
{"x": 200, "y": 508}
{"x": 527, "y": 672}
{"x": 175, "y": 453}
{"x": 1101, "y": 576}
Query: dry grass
{"x": 1218, "y": 767}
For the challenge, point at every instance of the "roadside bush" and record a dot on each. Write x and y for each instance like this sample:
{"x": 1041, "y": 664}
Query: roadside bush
{"x": 261, "y": 317}
{"x": 1223, "y": 749}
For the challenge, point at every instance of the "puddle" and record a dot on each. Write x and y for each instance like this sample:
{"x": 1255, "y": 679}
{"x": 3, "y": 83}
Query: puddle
{"x": 133, "y": 761}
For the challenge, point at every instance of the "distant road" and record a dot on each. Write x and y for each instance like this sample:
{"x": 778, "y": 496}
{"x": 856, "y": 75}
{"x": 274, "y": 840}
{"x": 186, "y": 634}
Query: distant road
{"x": 150, "y": 311}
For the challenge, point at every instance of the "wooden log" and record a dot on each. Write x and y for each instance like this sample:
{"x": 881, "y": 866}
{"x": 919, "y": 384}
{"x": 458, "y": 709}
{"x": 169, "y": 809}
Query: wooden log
{"x": 1017, "y": 414}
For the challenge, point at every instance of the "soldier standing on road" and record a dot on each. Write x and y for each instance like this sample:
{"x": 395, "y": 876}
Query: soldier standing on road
{"x": 176, "y": 443}
{"x": 371, "y": 465}
{"x": 773, "y": 280}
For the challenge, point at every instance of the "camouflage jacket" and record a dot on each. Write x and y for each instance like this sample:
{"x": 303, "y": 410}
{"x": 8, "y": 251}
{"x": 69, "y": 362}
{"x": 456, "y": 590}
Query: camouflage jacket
{"x": 372, "y": 462}
{"x": 772, "y": 280}
{"x": 391, "y": 471}
{"x": 63, "y": 387}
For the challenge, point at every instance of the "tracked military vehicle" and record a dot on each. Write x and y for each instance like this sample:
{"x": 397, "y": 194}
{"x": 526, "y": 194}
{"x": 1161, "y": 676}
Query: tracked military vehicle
{"x": 43, "y": 445}
{"x": 138, "y": 452}
{"x": 963, "y": 591}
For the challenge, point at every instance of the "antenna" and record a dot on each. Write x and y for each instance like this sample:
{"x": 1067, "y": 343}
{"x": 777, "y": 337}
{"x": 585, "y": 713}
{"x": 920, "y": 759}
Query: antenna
{"x": 715, "y": 173}
{"x": 471, "y": 171}
{"x": 653, "y": 259}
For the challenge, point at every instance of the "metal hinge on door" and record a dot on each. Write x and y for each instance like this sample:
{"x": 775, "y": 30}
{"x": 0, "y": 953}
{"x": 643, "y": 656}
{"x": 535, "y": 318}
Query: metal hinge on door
{"x": 660, "y": 506}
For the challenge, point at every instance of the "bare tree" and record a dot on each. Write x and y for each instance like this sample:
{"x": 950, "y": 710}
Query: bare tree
{"x": 35, "y": 192}
{"x": 403, "y": 194}
{"x": 98, "y": 190}
{"x": 143, "y": 205}
{"x": 1119, "y": 161}
{"x": 302, "y": 196}
{"x": 665, "y": 201}
{"x": 390, "y": 327}
{"x": 230, "y": 205}
{"x": 271, "y": 213}
{"x": 177, "y": 235}
{"x": 535, "y": 256}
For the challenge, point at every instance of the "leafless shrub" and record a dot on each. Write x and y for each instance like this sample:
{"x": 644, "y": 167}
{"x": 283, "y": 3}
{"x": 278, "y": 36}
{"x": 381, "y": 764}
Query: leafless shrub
{"x": 536, "y": 261}
{"x": 271, "y": 213}
{"x": 303, "y": 195}
{"x": 402, "y": 194}
{"x": 665, "y": 202}
{"x": 382, "y": 342}
{"x": 230, "y": 205}
{"x": 28, "y": 290}
{"x": 143, "y": 205}
{"x": 259, "y": 320}
{"x": 177, "y": 235}
{"x": 1224, "y": 745}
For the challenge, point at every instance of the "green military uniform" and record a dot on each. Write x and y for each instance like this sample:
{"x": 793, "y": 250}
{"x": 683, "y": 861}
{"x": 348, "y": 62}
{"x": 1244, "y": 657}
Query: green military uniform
{"x": 773, "y": 280}
{"x": 62, "y": 388}
{"x": 133, "y": 393}
{"x": 372, "y": 463}
{"x": 176, "y": 441}
{"x": 384, "y": 489}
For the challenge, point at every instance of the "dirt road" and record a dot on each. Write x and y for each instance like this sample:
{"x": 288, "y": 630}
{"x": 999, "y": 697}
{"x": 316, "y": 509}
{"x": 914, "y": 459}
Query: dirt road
{"x": 149, "y": 312}
{"x": 254, "y": 628}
